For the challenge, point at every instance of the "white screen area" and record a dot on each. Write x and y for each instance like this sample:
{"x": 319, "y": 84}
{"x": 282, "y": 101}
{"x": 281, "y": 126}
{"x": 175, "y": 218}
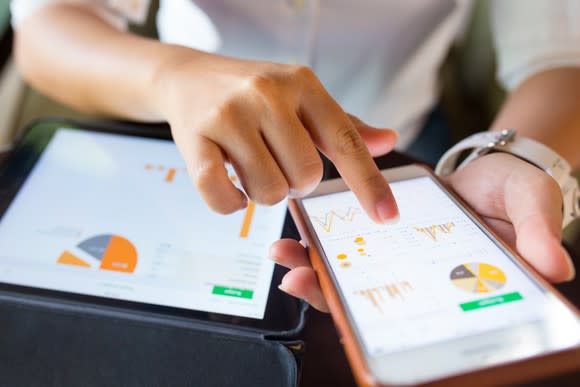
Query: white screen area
{"x": 118, "y": 216}
{"x": 432, "y": 276}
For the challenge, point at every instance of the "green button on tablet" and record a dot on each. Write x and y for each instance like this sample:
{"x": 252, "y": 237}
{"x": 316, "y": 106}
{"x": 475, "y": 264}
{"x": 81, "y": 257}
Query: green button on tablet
{"x": 491, "y": 301}
{"x": 232, "y": 292}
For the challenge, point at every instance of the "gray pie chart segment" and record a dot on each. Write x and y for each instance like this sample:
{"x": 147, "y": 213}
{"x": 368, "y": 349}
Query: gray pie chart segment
{"x": 96, "y": 246}
{"x": 461, "y": 272}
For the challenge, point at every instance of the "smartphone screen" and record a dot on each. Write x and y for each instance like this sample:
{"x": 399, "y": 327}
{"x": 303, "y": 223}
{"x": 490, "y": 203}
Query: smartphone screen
{"x": 432, "y": 276}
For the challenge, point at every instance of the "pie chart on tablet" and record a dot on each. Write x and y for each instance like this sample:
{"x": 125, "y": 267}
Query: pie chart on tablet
{"x": 105, "y": 251}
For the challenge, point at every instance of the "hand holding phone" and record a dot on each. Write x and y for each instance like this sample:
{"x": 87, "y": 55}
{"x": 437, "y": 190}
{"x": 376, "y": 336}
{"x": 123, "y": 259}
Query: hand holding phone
{"x": 433, "y": 296}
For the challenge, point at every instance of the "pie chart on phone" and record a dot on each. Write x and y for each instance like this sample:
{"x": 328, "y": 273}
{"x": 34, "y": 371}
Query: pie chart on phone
{"x": 478, "y": 277}
{"x": 105, "y": 251}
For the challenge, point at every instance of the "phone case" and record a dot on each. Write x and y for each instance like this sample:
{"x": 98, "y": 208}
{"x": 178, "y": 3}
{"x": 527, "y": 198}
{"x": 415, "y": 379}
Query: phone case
{"x": 53, "y": 342}
{"x": 519, "y": 372}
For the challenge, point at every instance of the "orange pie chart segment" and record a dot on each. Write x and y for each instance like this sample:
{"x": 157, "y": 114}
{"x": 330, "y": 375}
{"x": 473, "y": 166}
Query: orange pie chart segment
{"x": 68, "y": 258}
{"x": 120, "y": 255}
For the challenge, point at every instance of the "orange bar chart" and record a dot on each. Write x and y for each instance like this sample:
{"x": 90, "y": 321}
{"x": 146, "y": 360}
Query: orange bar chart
{"x": 247, "y": 221}
{"x": 170, "y": 175}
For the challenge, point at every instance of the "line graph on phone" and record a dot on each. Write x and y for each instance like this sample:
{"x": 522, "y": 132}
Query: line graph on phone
{"x": 327, "y": 221}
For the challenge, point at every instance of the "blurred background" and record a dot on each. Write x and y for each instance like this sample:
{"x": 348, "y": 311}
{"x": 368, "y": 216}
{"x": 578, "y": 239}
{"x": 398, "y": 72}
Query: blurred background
{"x": 470, "y": 93}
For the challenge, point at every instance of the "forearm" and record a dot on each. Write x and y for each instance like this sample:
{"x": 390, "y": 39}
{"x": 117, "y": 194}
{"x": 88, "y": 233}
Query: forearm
{"x": 546, "y": 107}
{"x": 71, "y": 54}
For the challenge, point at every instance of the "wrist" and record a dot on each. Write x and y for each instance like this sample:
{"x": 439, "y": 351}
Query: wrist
{"x": 165, "y": 77}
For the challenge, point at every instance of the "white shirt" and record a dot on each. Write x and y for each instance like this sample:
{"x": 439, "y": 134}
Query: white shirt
{"x": 378, "y": 58}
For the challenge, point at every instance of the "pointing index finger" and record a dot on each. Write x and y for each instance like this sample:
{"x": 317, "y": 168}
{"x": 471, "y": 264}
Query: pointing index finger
{"x": 336, "y": 136}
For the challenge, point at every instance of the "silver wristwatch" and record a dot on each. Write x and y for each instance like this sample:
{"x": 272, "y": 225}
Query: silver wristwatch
{"x": 529, "y": 150}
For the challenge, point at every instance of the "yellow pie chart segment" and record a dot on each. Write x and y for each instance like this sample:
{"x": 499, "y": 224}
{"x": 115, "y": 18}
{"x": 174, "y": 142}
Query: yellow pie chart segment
{"x": 477, "y": 277}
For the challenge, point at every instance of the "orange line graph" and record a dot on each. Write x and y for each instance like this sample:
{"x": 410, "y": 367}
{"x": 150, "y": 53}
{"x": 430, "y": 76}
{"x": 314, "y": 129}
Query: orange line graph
{"x": 327, "y": 221}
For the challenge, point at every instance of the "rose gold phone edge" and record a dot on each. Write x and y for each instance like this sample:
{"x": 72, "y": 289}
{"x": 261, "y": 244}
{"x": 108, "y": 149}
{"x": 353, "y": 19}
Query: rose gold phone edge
{"x": 519, "y": 371}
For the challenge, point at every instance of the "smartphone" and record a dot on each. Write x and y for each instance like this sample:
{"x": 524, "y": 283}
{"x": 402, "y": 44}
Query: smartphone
{"x": 435, "y": 297}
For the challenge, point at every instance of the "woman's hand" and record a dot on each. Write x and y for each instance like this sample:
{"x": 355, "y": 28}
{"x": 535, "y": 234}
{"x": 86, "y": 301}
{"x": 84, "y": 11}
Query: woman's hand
{"x": 268, "y": 120}
{"x": 520, "y": 202}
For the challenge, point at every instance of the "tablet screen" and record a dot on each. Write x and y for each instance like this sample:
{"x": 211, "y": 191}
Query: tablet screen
{"x": 118, "y": 217}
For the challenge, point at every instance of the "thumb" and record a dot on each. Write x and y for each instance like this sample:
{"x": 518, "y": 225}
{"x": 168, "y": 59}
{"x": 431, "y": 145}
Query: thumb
{"x": 534, "y": 205}
{"x": 504, "y": 188}
{"x": 378, "y": 141}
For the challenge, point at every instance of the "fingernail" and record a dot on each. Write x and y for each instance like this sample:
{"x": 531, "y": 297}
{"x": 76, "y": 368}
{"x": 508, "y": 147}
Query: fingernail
{"x": 298, "y": 193}
{"x": 393, "y": 220}
{"x": 283, "y": 285}
{"x": 387, "y": 211}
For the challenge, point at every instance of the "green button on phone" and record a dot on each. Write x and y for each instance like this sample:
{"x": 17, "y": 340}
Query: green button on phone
{"x": 491, "y": 301}
{"x": 232, "y": 292}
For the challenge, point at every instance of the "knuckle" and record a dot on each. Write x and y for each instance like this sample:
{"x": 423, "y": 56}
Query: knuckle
{"x": 348, "y": 142}
{"x": 373, "y": 181}
{"x": 204, "y": 179}
{"x": 204, "y": 176}
{"x": 226, "y": 115}
{"x": 262, "y": 84}
{"x": 227, "y": 111}
{"x": 230, "y": 120}
{"x": 308, "y": 177}
{"x": 270, "y": 193}
{"x": 303, "y": 73}
{"x": 264, "y": 90}
{"x": 222, "y": 208}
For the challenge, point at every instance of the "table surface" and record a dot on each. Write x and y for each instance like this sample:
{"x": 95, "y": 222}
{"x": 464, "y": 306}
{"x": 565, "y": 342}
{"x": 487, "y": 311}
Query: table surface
{"x": 324, "y": 362}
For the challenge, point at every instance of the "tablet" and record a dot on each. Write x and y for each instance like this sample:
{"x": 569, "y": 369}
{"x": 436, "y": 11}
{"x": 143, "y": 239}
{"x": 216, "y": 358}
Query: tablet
{"x": 114, "y": 219}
